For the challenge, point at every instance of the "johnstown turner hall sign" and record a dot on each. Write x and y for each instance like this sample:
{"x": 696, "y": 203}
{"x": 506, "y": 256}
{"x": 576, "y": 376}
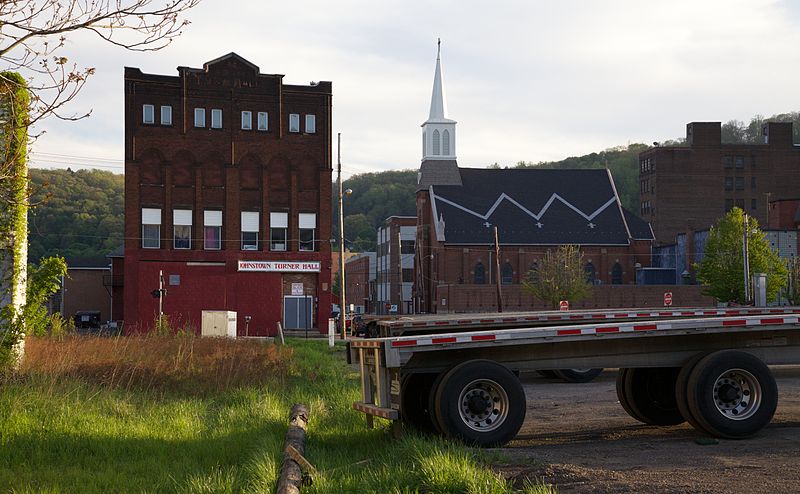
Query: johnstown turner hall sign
{"x": 280, "y": 266}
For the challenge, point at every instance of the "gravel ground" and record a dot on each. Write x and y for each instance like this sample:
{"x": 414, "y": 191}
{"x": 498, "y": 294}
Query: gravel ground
{"x": 578, "y": 438}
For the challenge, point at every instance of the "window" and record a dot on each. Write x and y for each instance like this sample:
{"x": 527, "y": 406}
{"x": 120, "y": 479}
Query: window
{"x": 446, "y": 143}
{"x": 247, "y": 120}
{"x": 739, "y": 183}
{"x": 591, "y": 273}
{"x": 507, "y": 272}
{"x": 727, "y": 161}
{"x": 616, "y": 274}
{"x": 151, "y": 228}
{"x": 199, "y": 117}
{"x": 166, "y": 115}
{"x": 435, "y": 143}
{"x": 728, "y": 205}
{"x": 728, "y": 183}
{"x": 182, "y": 225}
{"x": 753, "y": 183}
{"x": 406, "y": 246}
{"x": 740, "y": 203}
{"x": 278, "y": 225}
{"x": 294, "y": 122}
{"x": 216, "y": 118}
{"x": 753, "y": 204}
{"x": 263, "y": 121}
{"x": 250, "y": 230}
{"x": 408, "y": 275}
{"x": 212, "y": 230}
{"x": 480, "y": 274}
{"x": 533, "y": 273}
{"x": 148, "y": 114}
{"x": 307, "y": 222}
{"x": 753, "y": 161}
{"x": 311, "y": 124}
{"x": 739, "y": 161}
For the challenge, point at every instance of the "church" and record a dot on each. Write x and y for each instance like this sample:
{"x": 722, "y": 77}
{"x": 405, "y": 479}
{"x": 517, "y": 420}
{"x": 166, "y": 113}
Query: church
{"x": 534, "y": 210}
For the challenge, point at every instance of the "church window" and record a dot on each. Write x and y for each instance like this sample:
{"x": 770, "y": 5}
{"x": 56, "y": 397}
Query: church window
{"x": 616, "y": 274}
{"x": 424, "y": 151}
{"x": 591, "y": 272}
{"x": 435, "y": 143}
{"x": 446, "y": 143}
{"x": 480, "y": 274}
{"x": 507, "y": 272}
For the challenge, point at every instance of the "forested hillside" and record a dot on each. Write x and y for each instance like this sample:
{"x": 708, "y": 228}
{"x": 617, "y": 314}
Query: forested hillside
{"x": 75, "y": 214}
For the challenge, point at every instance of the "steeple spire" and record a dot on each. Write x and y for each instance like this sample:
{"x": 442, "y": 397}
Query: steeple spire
{"x": 438, "y": 104}
{"x": 438, "y": 132}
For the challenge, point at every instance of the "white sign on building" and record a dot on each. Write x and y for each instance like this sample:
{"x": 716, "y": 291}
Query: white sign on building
{"x": 280, "y": 266}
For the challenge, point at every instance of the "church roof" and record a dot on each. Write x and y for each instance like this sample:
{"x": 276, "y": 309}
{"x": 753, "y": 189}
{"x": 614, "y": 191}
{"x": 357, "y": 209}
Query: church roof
{"x": 438, "y": 172}
{"x": 534, "y": 207}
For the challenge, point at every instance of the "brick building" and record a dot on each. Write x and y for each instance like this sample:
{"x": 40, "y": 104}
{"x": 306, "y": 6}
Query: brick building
{"x": 360, "y": 273}
{"x": 691, "y": 186}
{"x": 534, "y": 210}
{"x": 228, "y": 194}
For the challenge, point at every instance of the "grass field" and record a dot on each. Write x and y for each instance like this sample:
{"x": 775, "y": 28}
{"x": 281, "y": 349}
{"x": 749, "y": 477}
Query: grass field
{"x": 183, "y": 414}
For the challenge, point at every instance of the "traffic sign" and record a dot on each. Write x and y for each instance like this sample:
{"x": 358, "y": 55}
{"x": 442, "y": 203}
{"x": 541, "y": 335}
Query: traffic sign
{"x": 667, "y": 299}
{"x": 563, "y": 305}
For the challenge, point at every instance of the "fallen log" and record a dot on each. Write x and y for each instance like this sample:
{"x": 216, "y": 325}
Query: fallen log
{"x": 291, "y": 477}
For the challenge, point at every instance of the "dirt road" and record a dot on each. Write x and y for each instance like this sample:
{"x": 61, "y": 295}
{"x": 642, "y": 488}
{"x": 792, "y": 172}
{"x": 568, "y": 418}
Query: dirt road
{"x": 578, "y": 438}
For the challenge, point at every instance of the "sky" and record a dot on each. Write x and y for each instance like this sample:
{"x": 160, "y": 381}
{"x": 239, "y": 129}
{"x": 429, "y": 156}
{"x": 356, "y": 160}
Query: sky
{"x": 526, "y": 80}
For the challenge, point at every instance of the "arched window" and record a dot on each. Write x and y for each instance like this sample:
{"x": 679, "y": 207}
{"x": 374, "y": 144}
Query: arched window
{"x": 616, "y": 274}
{"x": 591, "y": 273}
{"x": 435, "y": 143}
{"x": 424, "y": 151}
{"x": 480, "y": 274}
{"x": 507, "y": 273}
{"x": 446, "y": 143}
{"x": 533, "y": 273}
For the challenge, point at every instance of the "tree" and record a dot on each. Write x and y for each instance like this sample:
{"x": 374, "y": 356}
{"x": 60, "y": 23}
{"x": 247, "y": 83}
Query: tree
{"x": 722, "y": 268}
{"x": 560, "y": 276}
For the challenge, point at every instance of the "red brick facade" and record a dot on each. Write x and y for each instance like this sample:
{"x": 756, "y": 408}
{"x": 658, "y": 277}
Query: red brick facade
{"x": 220, "y": 166}
{"x": 692, "y": 186}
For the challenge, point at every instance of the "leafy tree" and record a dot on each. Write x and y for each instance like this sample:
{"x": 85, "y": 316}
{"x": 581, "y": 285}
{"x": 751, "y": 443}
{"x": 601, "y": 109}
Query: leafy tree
{"x": 793, "y": 285}
{"x": 560, "y": 276}
{"x": 722, "y": 268}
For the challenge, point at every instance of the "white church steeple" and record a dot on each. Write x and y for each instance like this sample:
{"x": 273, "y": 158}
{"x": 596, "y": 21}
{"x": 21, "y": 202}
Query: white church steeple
{"x": 438, "y": 132}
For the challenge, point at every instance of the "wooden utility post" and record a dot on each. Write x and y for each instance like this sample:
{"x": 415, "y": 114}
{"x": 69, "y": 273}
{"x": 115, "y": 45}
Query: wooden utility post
{"x": 342, "y": 300}
{"x": 497, "y": 270}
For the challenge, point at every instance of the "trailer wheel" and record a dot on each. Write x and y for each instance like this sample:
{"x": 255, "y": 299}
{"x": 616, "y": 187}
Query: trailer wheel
{"x": 480, "y": 402}
{"x": 732, "y": 394}
{"x": 578, "y": 375}
{"x": 414, "y": 392}
{"x": 623, "y": 397}
{"x": 651, "y": 395}
{"x": 437, "y": 426}
{"x": 681, "y": 390}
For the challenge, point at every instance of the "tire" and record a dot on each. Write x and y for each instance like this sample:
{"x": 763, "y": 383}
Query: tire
{"x": 437, "y": 426}
{"x": 623, "y": 397}
{"x": 547, "y": 374}
{"x": 372, "y": 330}
{"x": 732, "y": 394}
{"x": 577, "y": 375}
{"x": 414, "y": 392}
{"x": 651, "y": 395}
{"x": 481, "y": 403}
{"x": 681, "y": 387}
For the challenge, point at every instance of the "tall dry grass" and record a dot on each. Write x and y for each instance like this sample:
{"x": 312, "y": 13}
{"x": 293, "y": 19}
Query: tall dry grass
{"x": 145, "y": 361}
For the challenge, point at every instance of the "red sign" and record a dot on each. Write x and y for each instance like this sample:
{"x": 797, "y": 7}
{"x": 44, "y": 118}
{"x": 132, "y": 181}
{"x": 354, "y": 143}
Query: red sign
{"x": 667, "y": 299}
{"x": 563, "y": 305}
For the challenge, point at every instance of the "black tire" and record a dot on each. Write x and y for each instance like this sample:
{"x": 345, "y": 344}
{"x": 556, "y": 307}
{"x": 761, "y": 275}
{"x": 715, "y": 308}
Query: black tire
{"x": 414, "y": 392}
{"x": 481, "y": 403}
{"x": 622, "y": 397}
{"x": 437, "y": 426}
{"x": 577, "y": 375}
{"x": 651, "y": 395}
{"x": 372, "y": 330}
{"x": 732, "y": 394}
{"x": 681, "y": 387}
{"x": 548, "y": 374}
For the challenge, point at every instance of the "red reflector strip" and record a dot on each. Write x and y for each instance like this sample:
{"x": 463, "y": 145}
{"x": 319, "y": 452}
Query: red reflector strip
{"x": 687, "y": 313}
{"x": 614, "y": 329}
{"x": 465, "y": 321}
{"x": 563, "y": 332}
{"x": 417, "y": 324}
{"x": 437, "y": 341}
{"x": 774, "y": 320}
{"x": 483, "y": 337}
{"x": 598, "y": 316}
{"x": 442, "y": 323}
{"x": 620, "y": 315}
{"x": 665, "y": 313}
{"x": 645, "y": 327}
{"x": 735, "y": 322}
{"x": 404, "y": 343}
{"x": 554, "y": 318}
{"x": 487, "y": 320}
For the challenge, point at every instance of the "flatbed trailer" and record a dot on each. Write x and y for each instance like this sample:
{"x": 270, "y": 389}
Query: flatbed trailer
{"x": 709, "y": 370}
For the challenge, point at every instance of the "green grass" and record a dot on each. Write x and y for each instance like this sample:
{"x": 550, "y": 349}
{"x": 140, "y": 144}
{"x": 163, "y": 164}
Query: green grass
{"x": 75, "y": 434}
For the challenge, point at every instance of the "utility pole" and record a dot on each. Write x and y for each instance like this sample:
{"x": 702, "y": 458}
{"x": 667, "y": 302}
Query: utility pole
{"x": 497, "y": 269}
{"x": 399, "y": 272}
{"x": 160, "y": 298}
{"x": 342, "y": 300}
{"x": 745, "y": 254}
